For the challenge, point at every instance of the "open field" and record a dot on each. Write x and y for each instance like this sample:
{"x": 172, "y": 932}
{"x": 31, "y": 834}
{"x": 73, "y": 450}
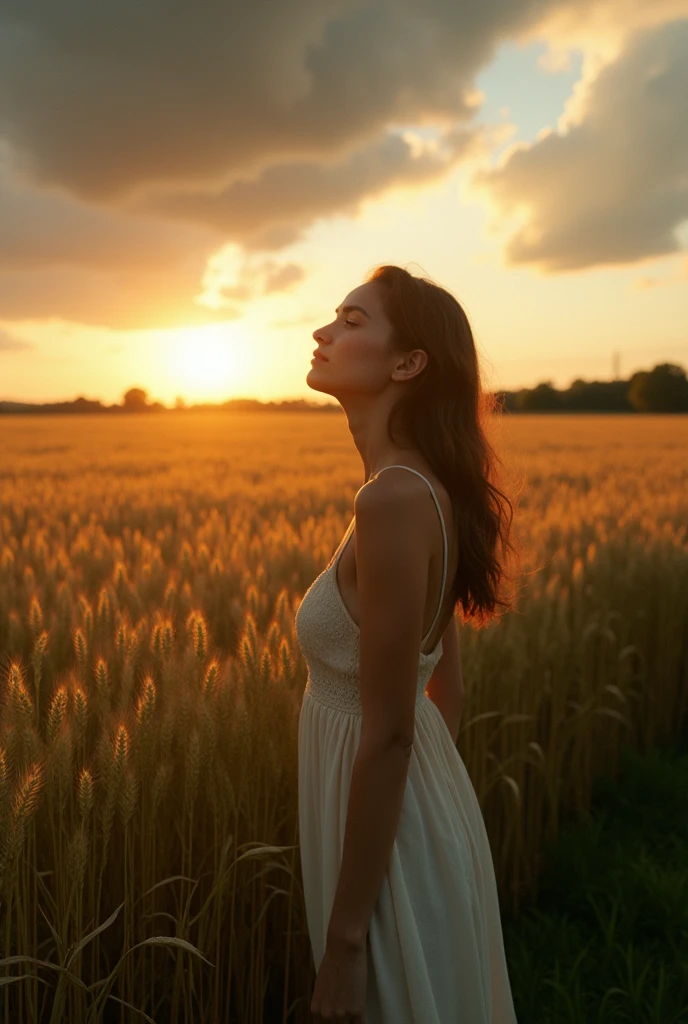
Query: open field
{"x": 150, "y": 570}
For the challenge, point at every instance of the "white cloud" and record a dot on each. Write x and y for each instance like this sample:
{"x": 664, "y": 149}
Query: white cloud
{"x": 612, "y": 188}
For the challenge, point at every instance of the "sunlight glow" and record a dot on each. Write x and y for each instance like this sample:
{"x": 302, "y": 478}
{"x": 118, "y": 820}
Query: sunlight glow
{"x": 207, "y": 364}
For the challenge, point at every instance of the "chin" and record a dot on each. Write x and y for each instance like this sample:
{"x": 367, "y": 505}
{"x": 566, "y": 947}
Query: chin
{"x": 314, "y": 384}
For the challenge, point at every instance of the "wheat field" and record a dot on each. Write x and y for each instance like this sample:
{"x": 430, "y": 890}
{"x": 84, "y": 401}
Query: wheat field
{"x": 150, "y": 571}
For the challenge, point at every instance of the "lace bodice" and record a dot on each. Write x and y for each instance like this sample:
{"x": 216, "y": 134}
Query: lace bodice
{"x": 330, "y": 639}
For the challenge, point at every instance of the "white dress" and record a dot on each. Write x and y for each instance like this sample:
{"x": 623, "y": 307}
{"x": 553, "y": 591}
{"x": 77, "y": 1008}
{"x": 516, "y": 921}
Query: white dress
{"x": 435, "y": 944}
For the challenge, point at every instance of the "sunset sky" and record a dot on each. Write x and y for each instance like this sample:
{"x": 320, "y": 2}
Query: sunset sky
{"x": 187, "y": 193}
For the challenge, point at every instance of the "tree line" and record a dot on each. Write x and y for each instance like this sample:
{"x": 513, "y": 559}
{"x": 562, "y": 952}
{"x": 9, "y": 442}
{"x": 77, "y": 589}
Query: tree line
{"x": 662, "y": 389}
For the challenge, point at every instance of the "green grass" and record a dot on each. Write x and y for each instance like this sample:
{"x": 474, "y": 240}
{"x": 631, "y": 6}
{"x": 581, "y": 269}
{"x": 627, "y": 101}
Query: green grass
{"x": 607, "y": 940}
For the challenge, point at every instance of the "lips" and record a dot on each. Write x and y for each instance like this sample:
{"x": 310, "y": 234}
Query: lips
{"x": 319, "y": 355}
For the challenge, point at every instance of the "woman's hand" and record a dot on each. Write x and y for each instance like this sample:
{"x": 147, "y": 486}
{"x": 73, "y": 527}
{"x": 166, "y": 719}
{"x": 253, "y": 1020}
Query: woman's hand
{"x": 340, "y": 986}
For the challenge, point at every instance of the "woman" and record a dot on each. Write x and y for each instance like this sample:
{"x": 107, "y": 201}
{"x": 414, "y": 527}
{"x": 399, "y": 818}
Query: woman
{"x": 399, "y": 883}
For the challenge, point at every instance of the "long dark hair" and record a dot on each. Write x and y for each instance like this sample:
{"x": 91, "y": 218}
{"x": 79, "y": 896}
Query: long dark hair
{"x": 444, "y": 411}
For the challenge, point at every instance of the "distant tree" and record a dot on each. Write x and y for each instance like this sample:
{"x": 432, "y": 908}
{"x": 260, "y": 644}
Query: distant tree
{"x": 597, "y": 396}
{"x": 180, "y": 402}
{"x": 135, "y": 399}
{"x": 541, "y": 398}
{"x": 663, "y": 389}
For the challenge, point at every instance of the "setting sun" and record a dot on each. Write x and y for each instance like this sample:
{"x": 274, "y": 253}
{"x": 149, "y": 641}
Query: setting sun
{"x": 207, "y": 364}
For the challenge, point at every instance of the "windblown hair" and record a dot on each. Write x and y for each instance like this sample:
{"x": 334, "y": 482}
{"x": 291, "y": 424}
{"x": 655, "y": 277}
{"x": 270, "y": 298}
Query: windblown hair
{"x": 443, "y": 412}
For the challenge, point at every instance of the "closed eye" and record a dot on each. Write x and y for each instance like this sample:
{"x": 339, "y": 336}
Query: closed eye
{"x": 352, "y": 322}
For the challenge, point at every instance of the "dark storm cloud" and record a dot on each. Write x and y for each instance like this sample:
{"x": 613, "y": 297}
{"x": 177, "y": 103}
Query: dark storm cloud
{"x": 614, "y": 188}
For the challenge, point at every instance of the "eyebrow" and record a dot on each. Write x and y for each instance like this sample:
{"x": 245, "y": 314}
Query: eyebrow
{"x": 350, "y": 309}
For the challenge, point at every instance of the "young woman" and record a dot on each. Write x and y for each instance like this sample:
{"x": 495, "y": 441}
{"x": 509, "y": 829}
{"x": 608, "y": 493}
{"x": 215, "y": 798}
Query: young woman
{"x": 399, "y": 883}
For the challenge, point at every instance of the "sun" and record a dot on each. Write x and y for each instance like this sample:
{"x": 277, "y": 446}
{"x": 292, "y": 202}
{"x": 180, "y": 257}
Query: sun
{"x": 205, "y": 364}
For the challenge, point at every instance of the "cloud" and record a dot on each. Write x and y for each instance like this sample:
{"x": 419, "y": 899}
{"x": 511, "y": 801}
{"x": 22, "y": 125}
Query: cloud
{"x": 110, "y": 102}
{"x": 60, "y": 257}
{"x": 280, "y": 278}
{"x": 612, "y": 188}
{"x": 122, "y": 301}
{"x": 238, "y": 275}
{"x": 11, "y": 343}
{"x": 273, "y": 209}
{"x": 139, "y": 140}
{"x": 48, "y": 228}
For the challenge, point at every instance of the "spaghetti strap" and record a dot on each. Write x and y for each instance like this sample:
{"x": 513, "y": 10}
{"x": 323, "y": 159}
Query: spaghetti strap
{"x": 445, "y": 548}
{"x": 344, "y": 541}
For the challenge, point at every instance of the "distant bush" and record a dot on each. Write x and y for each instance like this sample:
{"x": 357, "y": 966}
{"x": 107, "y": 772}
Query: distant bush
{"x": 135, "y": 399}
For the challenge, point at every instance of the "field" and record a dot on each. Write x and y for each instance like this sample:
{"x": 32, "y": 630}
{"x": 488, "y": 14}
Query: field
{"x": 150, "y": 571}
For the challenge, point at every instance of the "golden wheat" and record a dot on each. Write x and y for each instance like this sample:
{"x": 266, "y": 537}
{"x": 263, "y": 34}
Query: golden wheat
{"x": 152, "y": 681}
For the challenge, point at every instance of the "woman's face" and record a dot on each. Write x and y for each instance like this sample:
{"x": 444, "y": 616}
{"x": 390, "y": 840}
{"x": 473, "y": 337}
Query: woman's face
{"x": 355, "y": 345}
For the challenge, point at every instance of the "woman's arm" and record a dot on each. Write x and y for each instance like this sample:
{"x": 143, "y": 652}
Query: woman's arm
{"x": 445, "y": 686}
{"x": 376, "y": 794}
{"x": 392, "y": 572}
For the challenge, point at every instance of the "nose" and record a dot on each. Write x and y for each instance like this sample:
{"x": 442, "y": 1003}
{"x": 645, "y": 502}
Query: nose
{"x": 319, "y": 335}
